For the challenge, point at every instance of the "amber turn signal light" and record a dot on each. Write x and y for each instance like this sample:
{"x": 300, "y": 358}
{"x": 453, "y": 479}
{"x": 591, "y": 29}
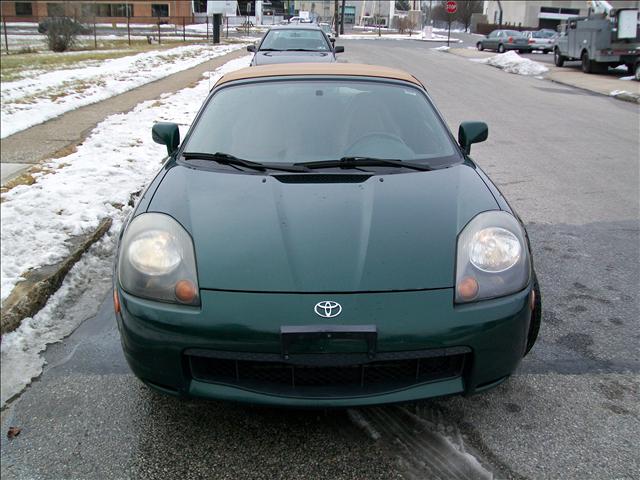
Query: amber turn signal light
{"x": 468, "y": 288}
{"x": 185, "y": 291}
{"x": 116, "y": 301}
{"x": 532, "y": 301}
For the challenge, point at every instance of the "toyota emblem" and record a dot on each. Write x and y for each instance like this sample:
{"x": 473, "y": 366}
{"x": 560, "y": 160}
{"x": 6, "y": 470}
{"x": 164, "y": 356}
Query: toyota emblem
{"x": 328, "y": 309}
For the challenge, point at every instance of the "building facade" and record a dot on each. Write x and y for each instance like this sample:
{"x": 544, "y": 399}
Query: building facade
{"x": 140, "y": 11}
{"x": 542, "y": 13}
{"x": 357, "y": 12}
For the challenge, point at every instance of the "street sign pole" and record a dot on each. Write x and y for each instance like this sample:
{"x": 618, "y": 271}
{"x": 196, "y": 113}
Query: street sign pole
{"x": 452, "y": 7}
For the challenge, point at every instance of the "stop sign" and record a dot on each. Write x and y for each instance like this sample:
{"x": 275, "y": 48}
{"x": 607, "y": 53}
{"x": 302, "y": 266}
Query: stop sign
{"x": 452, "y": 7}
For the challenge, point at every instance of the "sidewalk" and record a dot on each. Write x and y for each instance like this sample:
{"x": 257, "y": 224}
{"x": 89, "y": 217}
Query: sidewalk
{"x": 608, "y": 85}
{"x": 58, "y": 136}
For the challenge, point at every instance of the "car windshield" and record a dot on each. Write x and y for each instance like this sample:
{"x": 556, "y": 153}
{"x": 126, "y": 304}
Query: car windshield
{"x": 543, "y": 34}
{"x": 513, "y": 33}
{"x": 293, "y": 39}
{"x": 311, "y": 120}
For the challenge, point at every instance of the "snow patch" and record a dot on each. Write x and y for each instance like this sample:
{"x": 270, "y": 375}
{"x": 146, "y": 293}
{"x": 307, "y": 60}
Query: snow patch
{"x": 74, "y": 302}
{"x": 511, "y": 62}
{"x": 443, "y": 48}
{"x": 81, "y": 189}
{"x": 27, "y": 102}
{"x": 117, "y": 159}
{"x": 624, "y": 93}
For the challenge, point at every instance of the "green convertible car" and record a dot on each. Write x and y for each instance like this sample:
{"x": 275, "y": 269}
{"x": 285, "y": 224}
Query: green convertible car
{"x": 319, "y": 239}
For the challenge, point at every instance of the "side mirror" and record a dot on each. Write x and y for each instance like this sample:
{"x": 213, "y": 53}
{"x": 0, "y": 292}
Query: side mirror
{"x": 472, "y": 132}
{"x": 338, "y": 49}
{"x": 251, "y": 48}
{"x": 167, "y": 134}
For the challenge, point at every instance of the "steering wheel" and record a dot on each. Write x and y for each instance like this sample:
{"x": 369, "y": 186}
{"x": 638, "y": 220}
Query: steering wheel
{"x": 379, "y": 144}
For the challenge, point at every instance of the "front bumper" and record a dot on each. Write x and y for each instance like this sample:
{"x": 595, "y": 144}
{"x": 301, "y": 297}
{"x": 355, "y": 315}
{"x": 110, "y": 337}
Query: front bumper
{"x": 159, "y": 341}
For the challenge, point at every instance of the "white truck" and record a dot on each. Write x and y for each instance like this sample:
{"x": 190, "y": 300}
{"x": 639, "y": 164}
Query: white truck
{"x": 606, "y": 38}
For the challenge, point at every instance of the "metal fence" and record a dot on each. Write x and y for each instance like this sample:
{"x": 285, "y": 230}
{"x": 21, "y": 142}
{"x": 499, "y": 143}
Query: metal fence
{"x": 17, "y": 36}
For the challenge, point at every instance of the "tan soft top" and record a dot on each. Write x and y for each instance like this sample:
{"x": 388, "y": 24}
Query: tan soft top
{"x": 301, "y": 69}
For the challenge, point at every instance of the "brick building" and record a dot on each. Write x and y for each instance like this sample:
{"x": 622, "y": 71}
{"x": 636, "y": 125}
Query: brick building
{"x": 139, "y": 11}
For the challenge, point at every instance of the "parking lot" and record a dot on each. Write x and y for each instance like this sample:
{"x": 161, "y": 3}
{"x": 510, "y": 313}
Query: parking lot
{"x": 567, "y": 159}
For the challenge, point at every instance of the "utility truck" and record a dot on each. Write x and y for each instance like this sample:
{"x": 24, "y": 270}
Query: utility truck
{"x": 605, "y": 38}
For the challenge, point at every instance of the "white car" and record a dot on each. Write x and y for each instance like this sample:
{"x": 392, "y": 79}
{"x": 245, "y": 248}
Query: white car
{"x": 541, "y": 40}
{"x": 299, "y": 20}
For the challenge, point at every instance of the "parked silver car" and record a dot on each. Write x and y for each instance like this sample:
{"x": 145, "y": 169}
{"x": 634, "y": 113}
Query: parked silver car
{"x": 541, "y": 40}
{"x": 503, "y": 40}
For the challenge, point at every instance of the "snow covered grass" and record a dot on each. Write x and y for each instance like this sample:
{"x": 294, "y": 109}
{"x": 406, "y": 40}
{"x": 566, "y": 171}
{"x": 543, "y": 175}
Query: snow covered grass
{"x": 511, "y": 62}
{"x": 89, "y": 184}
{"x": 95, "y": 182}
{"x": 34, "y": 64}
{"x": 26, "y": 102}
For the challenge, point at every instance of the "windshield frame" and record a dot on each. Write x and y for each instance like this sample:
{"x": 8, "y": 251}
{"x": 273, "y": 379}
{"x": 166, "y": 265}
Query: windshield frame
{"x": 457, "y": 158}
{"x": 322, "y": 33}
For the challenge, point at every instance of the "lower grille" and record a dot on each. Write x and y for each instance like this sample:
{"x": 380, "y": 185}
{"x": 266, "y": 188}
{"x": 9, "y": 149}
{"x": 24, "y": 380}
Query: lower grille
{"x": 358, "y": 378}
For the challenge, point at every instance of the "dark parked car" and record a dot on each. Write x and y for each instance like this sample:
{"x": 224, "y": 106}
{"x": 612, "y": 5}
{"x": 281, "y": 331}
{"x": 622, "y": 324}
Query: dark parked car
{"x": 65, "y": 23}
{"x": 320, "y": 239}
{"x": 294, "y": 43}
{"x": 503, "y": 40}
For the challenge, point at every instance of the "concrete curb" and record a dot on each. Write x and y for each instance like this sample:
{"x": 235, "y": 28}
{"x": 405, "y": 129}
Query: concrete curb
{"x": 624, "y": 96}
{"x": 30, "y": 295}
{"x": 627, "y": 97}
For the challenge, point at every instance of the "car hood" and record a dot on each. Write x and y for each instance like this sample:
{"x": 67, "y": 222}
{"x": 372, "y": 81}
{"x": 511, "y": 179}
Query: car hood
{"x": 388, "y": 233}
{"x": 266, "y": 58}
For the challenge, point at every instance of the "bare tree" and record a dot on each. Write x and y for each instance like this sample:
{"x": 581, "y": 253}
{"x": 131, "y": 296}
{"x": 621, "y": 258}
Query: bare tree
{"x": 61, "y": 33}
{"x": 465, "y": 9}
{"x": 405, "y": 24}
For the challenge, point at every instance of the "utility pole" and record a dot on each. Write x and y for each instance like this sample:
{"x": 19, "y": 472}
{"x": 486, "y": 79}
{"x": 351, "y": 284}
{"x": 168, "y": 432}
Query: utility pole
{"x": 336, "y": 19}
{"x": 342, "y": 18}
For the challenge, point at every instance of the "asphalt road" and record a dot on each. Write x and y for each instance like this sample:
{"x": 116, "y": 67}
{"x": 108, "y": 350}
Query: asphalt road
{"x": 568, "y": 162}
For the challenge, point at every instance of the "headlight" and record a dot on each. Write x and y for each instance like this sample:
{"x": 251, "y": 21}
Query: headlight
{"x": 155, "y": 253}
{"x": 494, "y": 250}
{"x": 492, "y": 258}
{"x": 157, "y": 261}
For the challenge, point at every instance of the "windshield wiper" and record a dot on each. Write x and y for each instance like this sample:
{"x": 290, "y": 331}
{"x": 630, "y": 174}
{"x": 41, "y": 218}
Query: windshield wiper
{"x": 269, "y": 50}
{"x": 355, "y": 162}
{"x": 227, "y": 159}
{"x": 303, "y": 50}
